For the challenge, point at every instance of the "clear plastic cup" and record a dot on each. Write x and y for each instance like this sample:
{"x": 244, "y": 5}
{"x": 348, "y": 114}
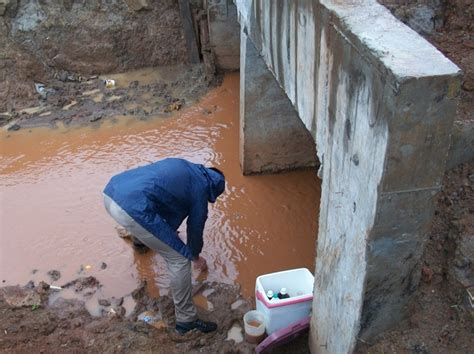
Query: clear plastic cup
{"x": 254, "y": 324}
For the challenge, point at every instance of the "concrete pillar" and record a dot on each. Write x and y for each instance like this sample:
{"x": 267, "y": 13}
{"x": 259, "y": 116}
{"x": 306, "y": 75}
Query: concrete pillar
{"x": 224, "y": 33}
{"x": 272, "y": 137}
{"x": 189, "y": 34}
{"x": 380, "y": 101}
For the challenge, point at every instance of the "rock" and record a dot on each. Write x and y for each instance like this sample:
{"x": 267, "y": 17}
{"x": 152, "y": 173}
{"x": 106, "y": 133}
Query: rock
{"x": 103, "y": 265}
{"x": 104, "y": 302}
{"x": 55, "y": 275}
{"x": 14, "y": 127}
{"x": 422, "y": 19}
{"x": 30, "y": 285}
{"x": 464, "y": 260}
{"x": 122, "y": 233}
{"x": 3, "y": 6}
{"x": 83, "y": 283}
{"x": 18, "y": 297}
{"x": 426, "y": 274}
{"x": 120, "y": 310}
{"x": 77, "y": 322}
{"x": 96, "y": 117}
{"x": 236, "y": 304}
{"x": 175, "y": 106}
{"x": 116, "y": 301}
{"x": 134, "y": 84}
{"x": 137, "y": 5}
{"x": 468, "y": 85}
{"x": 42, "y": 288}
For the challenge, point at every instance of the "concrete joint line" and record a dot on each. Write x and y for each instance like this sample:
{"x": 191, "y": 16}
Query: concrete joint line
{"x": 434, "y": 189}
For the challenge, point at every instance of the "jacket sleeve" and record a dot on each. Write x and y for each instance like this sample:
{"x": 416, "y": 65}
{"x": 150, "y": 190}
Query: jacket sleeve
{"x": 195, "y": 226}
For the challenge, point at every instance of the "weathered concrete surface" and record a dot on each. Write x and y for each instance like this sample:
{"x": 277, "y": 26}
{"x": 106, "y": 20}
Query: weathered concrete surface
{"x": 380, "y": 101}
{"x": 224, "y": 33}
{"x": 272, "y": 137}
{"x": 189, "y": 34}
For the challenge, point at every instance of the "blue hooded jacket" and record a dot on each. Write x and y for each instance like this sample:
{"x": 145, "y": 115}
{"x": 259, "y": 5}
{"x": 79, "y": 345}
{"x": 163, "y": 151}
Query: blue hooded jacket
{"x": 161, "y": 195}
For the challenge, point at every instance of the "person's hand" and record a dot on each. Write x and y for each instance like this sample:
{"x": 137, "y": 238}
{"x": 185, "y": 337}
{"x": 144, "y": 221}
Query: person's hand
{"x": 200, "y": 264}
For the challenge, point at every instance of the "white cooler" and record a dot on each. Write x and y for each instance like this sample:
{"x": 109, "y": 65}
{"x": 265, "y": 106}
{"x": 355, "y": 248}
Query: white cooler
{"x": 280, "y": 313}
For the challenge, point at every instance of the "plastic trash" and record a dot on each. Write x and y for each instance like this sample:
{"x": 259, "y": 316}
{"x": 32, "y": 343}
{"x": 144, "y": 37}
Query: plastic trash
{"x": 41, "y": 89}
{"x": 55, "y": 287}
{"x": 109, "y": 83}
{"x": 152, "y": 318}
{"x": 175, "y": 106}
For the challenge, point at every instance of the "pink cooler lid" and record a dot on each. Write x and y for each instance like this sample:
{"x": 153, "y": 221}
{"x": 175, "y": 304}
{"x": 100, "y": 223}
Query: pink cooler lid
{"x": 283, "y": 336}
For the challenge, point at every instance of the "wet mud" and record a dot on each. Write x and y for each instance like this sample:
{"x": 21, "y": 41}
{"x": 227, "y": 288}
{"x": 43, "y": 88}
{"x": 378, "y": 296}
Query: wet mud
{"x": 53, "y": 216}
{"x": 41, "y": 319}
{"x": 77, "y": 101}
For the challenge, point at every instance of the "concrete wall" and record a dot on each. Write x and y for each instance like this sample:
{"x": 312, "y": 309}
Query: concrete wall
{"x": 380, "y": 101}
{"x": 224, "y": 33}
{"x": 272, "y": 137}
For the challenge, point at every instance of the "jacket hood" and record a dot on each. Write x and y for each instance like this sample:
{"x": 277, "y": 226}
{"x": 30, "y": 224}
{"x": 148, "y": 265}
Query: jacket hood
{"x": 216, "y": 183}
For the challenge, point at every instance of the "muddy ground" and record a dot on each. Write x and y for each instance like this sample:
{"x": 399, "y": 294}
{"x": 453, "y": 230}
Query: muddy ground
{"x": 37, "y": 318}
{"x": 78, "y": 100}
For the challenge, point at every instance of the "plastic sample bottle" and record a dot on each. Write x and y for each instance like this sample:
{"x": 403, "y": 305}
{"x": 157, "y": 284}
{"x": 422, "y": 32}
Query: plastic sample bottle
{"x": 283, "y": 294}
{"x": 269, "y": 295}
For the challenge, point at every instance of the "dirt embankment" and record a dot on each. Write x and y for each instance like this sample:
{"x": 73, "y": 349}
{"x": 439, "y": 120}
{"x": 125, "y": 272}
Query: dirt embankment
{"x": 38, "y": 318}
{"x": 449, "y": 26}
{"x": 442, "y": 319}
{"x": 41, "y": 40}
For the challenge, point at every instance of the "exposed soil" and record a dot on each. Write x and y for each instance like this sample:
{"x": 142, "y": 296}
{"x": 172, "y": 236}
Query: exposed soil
{"x": 76, "y": 100}
{"x": 40, "y": 40}
{"x": 442, "y": 318}
{"x": 449, "y": 26}
{"x": 39, "y": 319}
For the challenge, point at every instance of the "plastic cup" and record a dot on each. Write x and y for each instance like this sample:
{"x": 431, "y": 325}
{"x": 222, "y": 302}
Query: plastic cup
{"x": 254, "y": 324}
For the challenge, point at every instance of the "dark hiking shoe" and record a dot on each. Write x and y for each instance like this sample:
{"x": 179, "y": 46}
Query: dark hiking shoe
{"x": 200, "y": 325}
{"x": 138, "y": 246}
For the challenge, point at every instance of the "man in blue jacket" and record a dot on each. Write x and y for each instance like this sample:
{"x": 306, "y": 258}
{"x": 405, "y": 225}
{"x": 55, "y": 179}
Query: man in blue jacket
{"x": 151, "y": 202}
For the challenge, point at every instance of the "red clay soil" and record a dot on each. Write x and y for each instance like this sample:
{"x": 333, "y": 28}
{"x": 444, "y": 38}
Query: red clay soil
{"x": 442, "y": 319}
{"x": 456, "y": 41}
{"x": 454, "y": 38}
{"x": 33, "y": 322}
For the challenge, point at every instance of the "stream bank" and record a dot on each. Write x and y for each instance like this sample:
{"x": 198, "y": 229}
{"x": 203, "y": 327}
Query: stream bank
{"x": 32, "y": 321}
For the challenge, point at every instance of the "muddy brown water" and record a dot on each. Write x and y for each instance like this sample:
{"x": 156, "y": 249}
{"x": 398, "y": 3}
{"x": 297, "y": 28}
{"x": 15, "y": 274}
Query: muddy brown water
{"x": 52, "y": 214}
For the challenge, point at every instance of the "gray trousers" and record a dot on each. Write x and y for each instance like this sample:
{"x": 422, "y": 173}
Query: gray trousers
{"x": 179, "y": 267}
